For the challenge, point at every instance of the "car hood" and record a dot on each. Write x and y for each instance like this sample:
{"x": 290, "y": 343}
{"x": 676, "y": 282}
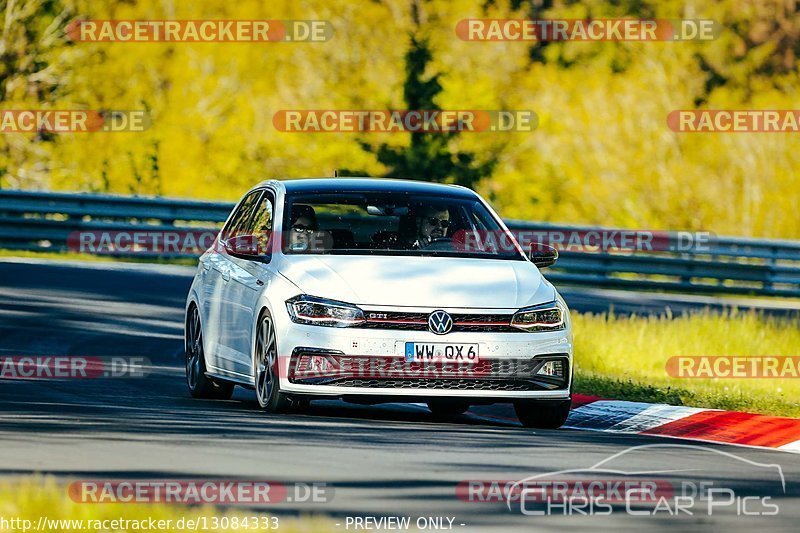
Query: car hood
{"x": 419, "y": 281}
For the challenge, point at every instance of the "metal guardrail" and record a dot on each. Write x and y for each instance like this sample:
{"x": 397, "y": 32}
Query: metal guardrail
{"x": 40, "y": 221}
{"x": 732, "y": 265}
{"x": 47, "y": 221}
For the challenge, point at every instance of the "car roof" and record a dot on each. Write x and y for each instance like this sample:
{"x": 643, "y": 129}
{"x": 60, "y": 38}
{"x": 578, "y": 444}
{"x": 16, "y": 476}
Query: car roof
{"x": 334, "y": 185}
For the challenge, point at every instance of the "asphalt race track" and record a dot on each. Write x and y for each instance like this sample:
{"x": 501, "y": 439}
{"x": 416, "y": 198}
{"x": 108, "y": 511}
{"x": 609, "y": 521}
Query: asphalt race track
{"x": 391, "y": 460}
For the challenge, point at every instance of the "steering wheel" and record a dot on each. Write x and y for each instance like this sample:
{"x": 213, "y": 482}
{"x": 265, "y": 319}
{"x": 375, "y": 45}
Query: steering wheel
{"x": 439, "y": 243}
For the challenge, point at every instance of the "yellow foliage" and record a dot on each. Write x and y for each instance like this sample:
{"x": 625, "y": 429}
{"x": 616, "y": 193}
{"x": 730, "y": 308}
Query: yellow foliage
{"x": 602, "y": 153}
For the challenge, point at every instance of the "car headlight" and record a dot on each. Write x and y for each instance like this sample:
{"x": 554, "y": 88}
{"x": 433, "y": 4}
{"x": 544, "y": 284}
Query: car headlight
{"x": 315, "y": 311}
{"x": 543, "y": 317}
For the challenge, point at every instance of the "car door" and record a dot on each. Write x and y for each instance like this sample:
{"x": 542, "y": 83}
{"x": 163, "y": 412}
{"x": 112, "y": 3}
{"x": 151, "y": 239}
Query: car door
{"x": 211, "y": 285}
{"x": 247, "y": 280}
{"x": 221, "y": 325}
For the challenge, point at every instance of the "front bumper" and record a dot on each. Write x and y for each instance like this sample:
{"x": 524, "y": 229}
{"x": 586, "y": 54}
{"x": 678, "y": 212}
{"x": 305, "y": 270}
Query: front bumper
{"x": 371, "y": 364}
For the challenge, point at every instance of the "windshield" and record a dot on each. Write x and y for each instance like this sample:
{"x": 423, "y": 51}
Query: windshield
{"x": 393, "y": 224}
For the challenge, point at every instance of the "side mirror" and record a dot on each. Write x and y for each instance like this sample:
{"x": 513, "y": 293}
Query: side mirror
{"x": 543, "y": 255}
{"x": 245, "y": 247}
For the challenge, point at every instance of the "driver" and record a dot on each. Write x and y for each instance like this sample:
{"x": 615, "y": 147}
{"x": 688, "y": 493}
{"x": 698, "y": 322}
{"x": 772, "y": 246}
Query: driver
{"x": 432, "y": 223}
{"x": 303, "y": 225}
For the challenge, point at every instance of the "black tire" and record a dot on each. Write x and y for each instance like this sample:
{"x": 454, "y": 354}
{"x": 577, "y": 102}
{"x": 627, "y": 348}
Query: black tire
{"x": 265, "y": 368}
{"x": 200, "y": 386}
{"x": 442, "y": 409}
{"x": 542, "y": 414}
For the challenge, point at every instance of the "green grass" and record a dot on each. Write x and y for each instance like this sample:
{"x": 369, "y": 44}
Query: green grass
{"x": 33, "y": 497}
{"x": 625, "y": 358}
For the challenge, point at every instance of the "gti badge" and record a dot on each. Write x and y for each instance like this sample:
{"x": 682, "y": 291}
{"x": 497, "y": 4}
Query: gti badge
{"x": 439, "y": 322}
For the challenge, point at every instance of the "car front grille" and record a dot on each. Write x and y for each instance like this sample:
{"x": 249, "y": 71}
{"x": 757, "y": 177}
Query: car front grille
{"x": 398, "y": 367}
{"x": 518, "y": 374}
{"x": 401, "y": 320}
{"x": 440, "y": 384}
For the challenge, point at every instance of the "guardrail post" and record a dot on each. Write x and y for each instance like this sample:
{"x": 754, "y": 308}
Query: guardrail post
{"x": 770, "y": 270}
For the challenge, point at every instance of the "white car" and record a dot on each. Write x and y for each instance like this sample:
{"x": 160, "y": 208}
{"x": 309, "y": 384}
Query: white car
{"x": 377, "y": 290}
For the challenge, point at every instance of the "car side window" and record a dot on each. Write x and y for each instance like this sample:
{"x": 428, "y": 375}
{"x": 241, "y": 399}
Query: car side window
{"x": 261, "y": 226}
{"x": 243, "y": 215}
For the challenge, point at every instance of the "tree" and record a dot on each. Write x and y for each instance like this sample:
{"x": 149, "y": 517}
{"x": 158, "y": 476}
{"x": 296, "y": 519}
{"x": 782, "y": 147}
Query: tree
{"x": 430, "y": 156}
{"x": 31, "y": 32}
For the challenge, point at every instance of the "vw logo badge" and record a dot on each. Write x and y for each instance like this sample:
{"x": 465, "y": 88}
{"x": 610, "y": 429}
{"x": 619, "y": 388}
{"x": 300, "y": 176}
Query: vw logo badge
{"x": 439, "y": 322}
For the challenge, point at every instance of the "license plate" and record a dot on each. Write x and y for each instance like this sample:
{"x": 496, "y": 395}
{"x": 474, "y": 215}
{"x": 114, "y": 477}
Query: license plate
{"x": 421, "y": 352}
